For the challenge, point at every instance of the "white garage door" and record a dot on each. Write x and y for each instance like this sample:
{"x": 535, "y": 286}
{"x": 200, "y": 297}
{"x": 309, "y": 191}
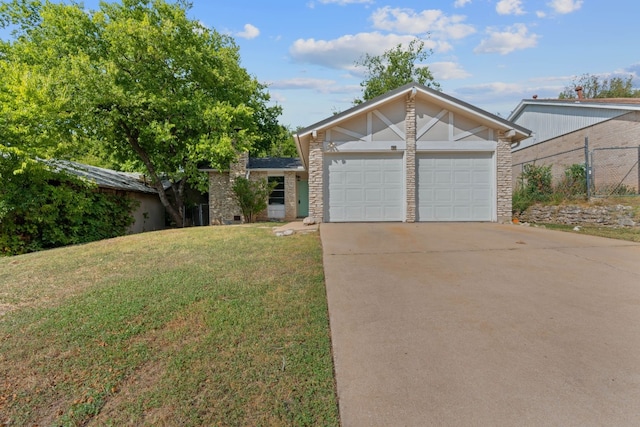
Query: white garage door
{"x": 364, "y": 187}
{"x": 455, "y": 187}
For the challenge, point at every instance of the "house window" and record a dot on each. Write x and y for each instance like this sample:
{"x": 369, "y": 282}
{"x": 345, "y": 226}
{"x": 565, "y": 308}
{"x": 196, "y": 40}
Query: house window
{"x": 277, "y": 195}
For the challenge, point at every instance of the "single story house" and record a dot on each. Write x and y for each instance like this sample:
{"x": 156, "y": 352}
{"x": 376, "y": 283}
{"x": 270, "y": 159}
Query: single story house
{"x": 288, "y": 201}
{"x": 149, "y": 214}
{"x": 560, "y": 128}
{"x": 412, "y": 154}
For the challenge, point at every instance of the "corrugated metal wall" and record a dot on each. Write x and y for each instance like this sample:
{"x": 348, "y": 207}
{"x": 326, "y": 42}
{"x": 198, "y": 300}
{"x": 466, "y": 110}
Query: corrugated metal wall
{"x": 550, "y": 121}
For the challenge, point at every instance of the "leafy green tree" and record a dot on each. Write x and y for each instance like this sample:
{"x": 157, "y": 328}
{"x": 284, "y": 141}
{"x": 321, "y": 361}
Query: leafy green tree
{"x": 594, "y": 87}
{"x": 137, "y": 84}
{"x": 278, "y": 142}
{"x": 252, "y": 196}
{"x": 394, "y": 68}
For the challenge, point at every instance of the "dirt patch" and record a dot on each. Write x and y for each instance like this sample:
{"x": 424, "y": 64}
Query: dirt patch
{"x": 141, "y": 383}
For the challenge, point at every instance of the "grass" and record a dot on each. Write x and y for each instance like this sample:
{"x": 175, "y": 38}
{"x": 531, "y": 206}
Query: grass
{"x": 202, "y": 326}
{"x": 622, "y": 233}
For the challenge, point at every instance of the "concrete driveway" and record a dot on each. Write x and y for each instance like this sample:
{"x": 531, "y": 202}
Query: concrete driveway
{"x": 482, "y": 325}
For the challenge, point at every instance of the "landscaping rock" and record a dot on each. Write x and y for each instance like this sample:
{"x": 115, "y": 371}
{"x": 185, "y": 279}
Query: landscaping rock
{"x": 309, "y": 220}
{"x": 607, "y": 216}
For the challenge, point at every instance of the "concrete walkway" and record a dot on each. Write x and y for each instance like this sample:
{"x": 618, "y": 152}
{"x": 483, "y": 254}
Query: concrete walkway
{"x": 482, "y": 325}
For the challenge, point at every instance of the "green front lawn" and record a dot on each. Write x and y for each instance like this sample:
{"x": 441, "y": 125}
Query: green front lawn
{"x": 202, "y": 326}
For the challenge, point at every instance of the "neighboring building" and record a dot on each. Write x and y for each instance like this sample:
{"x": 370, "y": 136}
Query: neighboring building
{"x": 561, "y": 126}
{"x": 150, "y": 213}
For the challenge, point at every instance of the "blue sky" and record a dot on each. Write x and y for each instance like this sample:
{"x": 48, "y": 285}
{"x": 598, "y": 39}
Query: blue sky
{"x": 490, "y": 53}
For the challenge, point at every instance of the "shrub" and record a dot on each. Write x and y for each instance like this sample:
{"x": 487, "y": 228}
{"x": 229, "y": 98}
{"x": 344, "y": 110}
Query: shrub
{"x": 41, "y": 208}
{"x": 574, "y": 181}
{"x": 252, "y": 196}
{"x": 534, "y": 186}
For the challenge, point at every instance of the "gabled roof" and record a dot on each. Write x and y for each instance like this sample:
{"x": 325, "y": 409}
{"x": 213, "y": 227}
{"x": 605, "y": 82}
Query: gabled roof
{"x": 551, "y": 118}
{"x": 105, "y": 178}
{"x": 303, "y": 136}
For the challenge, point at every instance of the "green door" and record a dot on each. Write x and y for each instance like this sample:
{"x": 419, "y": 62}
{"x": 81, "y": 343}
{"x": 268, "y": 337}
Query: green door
{"x": 303, "y": 199}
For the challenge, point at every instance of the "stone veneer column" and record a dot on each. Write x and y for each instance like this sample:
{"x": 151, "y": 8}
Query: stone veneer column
{"x": 222, "y": 204}
{"x": 410, "y": 158}
{"x": 504, "y": 177}
{"x": 316, "y": 183}
{"x": 290, "y": 196}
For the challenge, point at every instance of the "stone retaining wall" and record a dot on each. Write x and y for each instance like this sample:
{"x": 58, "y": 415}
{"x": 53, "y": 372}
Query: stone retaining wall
{"x": 608, "y": 215}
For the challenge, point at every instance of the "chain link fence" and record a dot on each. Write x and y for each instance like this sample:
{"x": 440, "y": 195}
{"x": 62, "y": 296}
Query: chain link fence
{"x": 615, "y": 171}
{"x": 559, "y": 162}
{"x": 610, "y": 171}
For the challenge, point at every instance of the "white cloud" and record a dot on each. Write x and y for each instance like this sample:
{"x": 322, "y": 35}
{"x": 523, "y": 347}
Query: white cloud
{"x": 447, "y": 70}
{"x": 565, "y": 6}
{"x": 250, "y": 32}
{"x": 509, "y": 7}
{"x": 345, "y": 2}
{"x": 341, "y": 53}
{"x": 408, "y": 21}
{"x": 461, "y": 3}
{"x": 540, "y": 14}
{"x": 514, "y": 38}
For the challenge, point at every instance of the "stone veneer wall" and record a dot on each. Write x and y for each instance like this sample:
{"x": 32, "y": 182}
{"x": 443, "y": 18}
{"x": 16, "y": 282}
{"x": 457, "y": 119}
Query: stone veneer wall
{"x": 290, "y": 196}
{"x": 504, "y": 177}
{"x": 316, "y": 172}
{"x": 222, "y": 204}
{"x": 608, "y": 215}
{"x": 410, "y": 159}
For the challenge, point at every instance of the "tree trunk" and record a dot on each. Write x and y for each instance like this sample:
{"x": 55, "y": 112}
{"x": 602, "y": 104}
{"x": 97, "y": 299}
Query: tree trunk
{"x": 174, "y": 212}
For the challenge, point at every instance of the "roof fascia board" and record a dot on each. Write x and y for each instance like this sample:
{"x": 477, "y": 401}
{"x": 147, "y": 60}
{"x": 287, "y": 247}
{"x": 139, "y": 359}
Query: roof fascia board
{"x": 600, "y": 105}
{"x": 354, "y": 111}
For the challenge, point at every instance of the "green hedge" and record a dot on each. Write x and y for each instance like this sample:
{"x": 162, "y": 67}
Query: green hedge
{"x": 41, "y": 208}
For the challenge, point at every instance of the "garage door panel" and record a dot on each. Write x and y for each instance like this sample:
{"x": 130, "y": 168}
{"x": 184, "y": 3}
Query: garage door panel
{"x": 373, "y": 195}
{"x": 352, "y": 194}
{"x": 443, "y": 195}
{"x": 352, "y": 178}
{"x": 462, "y": 177}
{"x": 455, "y": 186}
{"x": 371, "y": 191}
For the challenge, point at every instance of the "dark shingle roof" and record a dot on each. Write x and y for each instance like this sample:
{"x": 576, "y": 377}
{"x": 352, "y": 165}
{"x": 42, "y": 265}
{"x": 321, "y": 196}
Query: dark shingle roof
{"x": 274, "y": 163}
{"x": 105, "y": 178}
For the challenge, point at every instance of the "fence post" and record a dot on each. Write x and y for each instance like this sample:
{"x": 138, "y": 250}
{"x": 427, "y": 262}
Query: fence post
{"x": 638, "y": 169}
{"x": 587, "y": 167}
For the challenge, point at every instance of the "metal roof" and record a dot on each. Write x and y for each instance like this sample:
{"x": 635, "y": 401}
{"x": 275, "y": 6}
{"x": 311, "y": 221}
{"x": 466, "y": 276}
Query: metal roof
{"x": 551, "y": 118}
{"x": 106, "y": 178}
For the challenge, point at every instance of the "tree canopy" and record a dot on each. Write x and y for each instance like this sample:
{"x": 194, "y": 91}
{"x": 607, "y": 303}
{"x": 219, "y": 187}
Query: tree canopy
{"x": 595, "y": 87}
{"x": 138, "y": 84}
{"x": 394, "y": 68}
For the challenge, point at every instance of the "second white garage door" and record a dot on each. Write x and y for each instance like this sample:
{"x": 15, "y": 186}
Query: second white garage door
{"x": 364, "y": 187}
{"x": 455, "y": 187}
